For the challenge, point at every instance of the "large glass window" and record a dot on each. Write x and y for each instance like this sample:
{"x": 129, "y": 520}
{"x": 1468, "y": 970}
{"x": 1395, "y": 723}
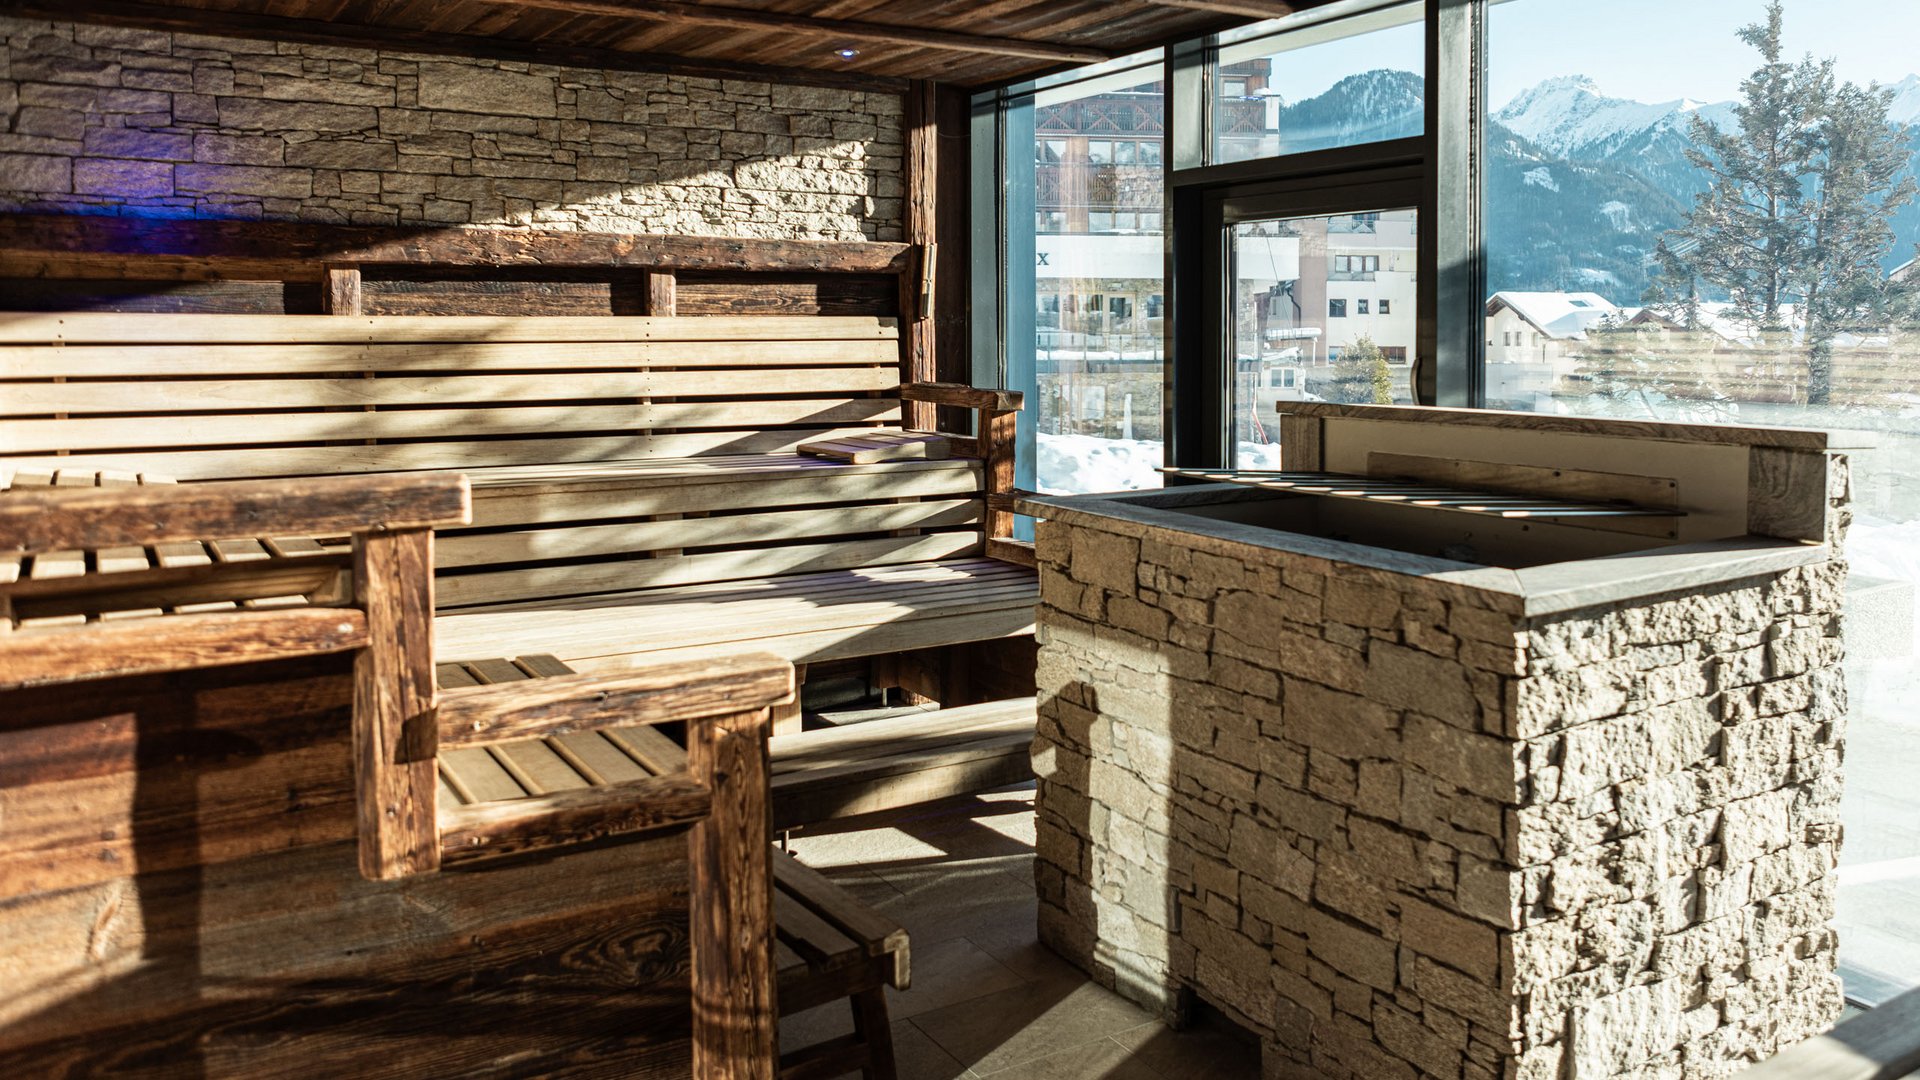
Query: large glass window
{"x": 1321, "y": 83}
{"x": 1716, "y": 221}
{"x": 1084, "y": 292}
{"x": 1304, "y": 326}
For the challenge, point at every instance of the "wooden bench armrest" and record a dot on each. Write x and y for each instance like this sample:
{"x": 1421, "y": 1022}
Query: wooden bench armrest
{"x": 964, "y": 397}
{"x": 56, "y": 519}
{"x": 503, "y": 712}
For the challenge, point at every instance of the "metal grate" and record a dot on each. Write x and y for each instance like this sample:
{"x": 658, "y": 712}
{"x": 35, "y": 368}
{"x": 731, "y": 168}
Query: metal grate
{"x": 1414, "y": 493}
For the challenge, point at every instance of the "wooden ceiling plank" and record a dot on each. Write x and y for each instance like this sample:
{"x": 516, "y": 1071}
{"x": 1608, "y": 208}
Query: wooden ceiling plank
{"x": 1256, "y": 9}
{"x": 180, "y": 18}
{"x": 758, "y": 19}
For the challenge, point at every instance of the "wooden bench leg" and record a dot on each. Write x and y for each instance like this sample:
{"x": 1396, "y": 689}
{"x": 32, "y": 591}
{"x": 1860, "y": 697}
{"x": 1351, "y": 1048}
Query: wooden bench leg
{"x": 871, "y": 1025}
{"x": 786, "y": 717}
{"x": 734, "y": 1019}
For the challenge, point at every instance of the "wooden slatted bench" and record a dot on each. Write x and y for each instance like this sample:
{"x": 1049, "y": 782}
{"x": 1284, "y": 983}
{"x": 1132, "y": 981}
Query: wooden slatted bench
{"x": 637, "y": 496}
{"x": 830, "y": 947}
{"x": 827, "y": 945}
{"x": 184, "y": 773}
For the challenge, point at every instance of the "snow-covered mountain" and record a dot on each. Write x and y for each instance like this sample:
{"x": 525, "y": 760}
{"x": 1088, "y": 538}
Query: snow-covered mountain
{"x": 1580, "y": 185}
{"x": 1569, "y": 116}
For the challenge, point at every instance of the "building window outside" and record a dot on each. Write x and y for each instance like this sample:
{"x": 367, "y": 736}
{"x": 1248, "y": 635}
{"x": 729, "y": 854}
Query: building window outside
{"x": 1386, "y": 307}
{"x": 1336, "y": 309}
{"x": 1345, "y": 82}
{"x": 1613, "y": 162}
{"x": 1092, "y": 367}
{"x": 1362, "y": 307}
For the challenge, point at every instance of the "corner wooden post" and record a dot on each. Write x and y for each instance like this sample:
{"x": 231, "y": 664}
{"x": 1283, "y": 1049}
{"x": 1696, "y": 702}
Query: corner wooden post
{"x": 662, "y": 289}
{"x": 734, "y": 1015}
{"x": 341, "y": 291}
{"x": 997, "y": 433}
{"x": 395, "y": 733}
{"x": 917, "y": 361}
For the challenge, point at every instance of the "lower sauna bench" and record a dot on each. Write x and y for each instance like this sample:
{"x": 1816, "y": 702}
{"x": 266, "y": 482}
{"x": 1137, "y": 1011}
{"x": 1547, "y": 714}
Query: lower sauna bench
{"x": 819, "y": 775}
{"x": 827, "y": 945}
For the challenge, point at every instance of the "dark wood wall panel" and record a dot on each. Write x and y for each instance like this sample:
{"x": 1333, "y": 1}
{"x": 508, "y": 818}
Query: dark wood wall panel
{"x": 484, "y": 291}
{"x": 702, "y": 293}
{"x": 176, "y": 297}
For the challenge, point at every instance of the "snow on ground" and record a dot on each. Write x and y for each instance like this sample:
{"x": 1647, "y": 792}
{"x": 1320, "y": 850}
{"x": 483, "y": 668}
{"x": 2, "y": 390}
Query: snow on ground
{"x": 1076, "y": 464}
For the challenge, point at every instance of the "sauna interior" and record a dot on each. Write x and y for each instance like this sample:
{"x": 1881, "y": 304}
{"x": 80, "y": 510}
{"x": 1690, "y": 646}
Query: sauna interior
{"x": 960, "y": 539}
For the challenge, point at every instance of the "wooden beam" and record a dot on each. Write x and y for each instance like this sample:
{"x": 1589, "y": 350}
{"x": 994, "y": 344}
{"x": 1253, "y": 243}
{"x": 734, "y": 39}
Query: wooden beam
{"x": 662, "y": 292}
{"x": 196, "y": 20}
{"x": 560, "y": 818}
{"x": 303, "y": 248}
{"x": 1253, "y": 9}
{"x": 731, "y": 877}
{"x": 174, "y": 643}
{"x": 340, "y": 290}
{"x": 836, "y": 30}
{"x": 395, "y": 774}
{"x": 474, "y": 715}
{"x": 57, "y": 519}
{"x": 917, "y": 359}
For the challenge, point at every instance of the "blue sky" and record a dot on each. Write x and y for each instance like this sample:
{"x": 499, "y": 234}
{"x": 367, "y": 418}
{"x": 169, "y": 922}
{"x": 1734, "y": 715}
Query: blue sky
{"x": 1658, "y": 50}
{"x": 1647, "y": 50}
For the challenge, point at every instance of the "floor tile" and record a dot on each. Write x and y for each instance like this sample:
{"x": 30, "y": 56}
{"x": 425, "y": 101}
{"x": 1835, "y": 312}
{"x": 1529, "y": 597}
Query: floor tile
{"x": 1200, "y": 1053}
{"x": 947, "y": 972}
{"x": 920, "y": 1058}
{"x": 1104, "y": 1060}
{"x": 1028, "y": 1022}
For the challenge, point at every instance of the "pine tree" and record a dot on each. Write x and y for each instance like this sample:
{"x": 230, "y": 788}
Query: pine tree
{"x": 1353, "y": 379}
{"x": 1796, "y": 208}
{"x": 1745, "y": 232}
{"x": 1382, "y": 380}
{"x": 1857, "y": 163}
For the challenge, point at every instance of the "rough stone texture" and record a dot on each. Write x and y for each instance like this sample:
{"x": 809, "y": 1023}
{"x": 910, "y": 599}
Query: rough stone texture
{"x": 1403, "y": 836}
{"x": 97, "y": 120}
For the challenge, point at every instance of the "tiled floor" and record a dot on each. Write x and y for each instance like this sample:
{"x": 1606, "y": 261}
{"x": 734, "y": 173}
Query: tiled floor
{"x": 987, "y": 998}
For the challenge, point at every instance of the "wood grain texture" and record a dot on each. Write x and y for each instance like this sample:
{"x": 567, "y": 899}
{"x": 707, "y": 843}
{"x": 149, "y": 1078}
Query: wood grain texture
{"x": 56, "y": 518}
{"x": 68, "y": 654}
{"x": 394, "y": 734}
{"x": 734, "y": 1030}
{"x": 919, "y": 362}
{"x": 340, "y": 290}
{"x": 998, "y": 437}
{"x": 1725, "y": 434}
{"x": 564, "y": 818}
{"x": 1787, "y": 493}
{"x": 477, "y": 715}
{"x": 660, "y": 288}
{"x": 968, "y": 397}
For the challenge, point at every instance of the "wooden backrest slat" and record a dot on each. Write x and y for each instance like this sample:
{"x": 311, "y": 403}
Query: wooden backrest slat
{"x": 565, "y": 411}
{"x": 76, "y": 328}
{"x": 240, "y": 396}
{"x": 139, "y": 358}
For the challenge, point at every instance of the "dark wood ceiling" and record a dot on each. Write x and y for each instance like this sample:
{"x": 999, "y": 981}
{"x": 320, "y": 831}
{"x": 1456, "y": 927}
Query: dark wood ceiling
{"x": 973, "y": 43}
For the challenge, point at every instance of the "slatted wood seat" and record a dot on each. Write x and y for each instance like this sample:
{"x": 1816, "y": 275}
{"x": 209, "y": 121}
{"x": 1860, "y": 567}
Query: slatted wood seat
{"x": 816, "y": 775}
{"x": 827, "y": 945}
{"x": 637, "y": 494}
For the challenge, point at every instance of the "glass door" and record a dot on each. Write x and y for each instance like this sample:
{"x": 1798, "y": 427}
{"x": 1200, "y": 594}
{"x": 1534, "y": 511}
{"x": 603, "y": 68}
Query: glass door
{"x": 1322, "y": 307}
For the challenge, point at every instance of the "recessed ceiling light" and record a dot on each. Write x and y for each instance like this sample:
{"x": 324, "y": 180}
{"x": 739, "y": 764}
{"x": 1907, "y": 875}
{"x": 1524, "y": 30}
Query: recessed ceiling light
{"x": 846, "y": 54}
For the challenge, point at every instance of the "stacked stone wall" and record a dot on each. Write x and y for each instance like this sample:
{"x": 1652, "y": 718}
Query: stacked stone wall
{"x": 99, "y": 120}
{"x": 1403, "y": 835}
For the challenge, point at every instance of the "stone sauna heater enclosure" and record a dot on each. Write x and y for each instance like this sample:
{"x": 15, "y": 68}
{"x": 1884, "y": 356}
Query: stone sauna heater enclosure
{"x": 1417, "y": 782}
